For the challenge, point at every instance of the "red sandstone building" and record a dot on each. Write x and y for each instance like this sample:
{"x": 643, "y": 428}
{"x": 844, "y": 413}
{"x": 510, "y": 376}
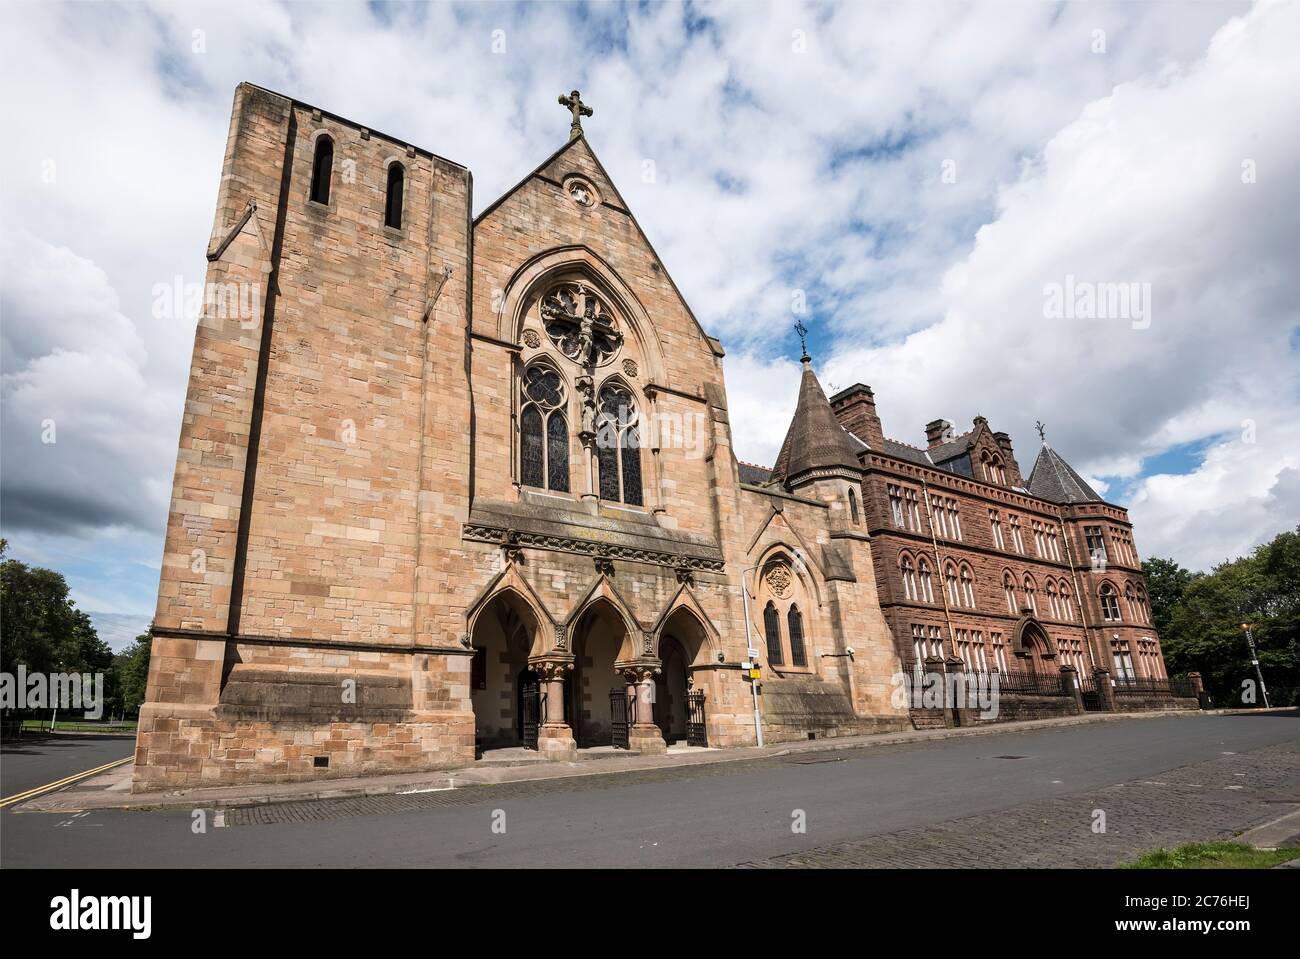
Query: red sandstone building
{"x": 975, "y": 561}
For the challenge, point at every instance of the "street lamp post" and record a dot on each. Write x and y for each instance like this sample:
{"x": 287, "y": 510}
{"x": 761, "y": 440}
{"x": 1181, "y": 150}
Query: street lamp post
{"x": 1254, "y": 661}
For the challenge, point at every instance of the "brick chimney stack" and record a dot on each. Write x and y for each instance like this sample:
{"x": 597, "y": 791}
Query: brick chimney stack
{"x": 1009, "y": 463}
{"x": 855, "y": 408}
{"x": 937, "y": 432}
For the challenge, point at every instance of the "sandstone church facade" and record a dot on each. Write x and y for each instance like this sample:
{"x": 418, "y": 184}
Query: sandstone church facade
{"x": 468, "y": 482}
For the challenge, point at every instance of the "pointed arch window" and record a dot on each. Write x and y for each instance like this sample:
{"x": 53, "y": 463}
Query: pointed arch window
{"x": 950, "y": 579}
{"x": 794, "y": 623}
{"x": 393, "y": 197}
{"x": 532, "y": 457}
{"x": 909, "y": 577}
{"x": 772, "y": 631}
{"x": 1009, "y": 589}
{"x": 1067, "y": 607}
{"x": 1109, "y": 603}
{"x": 1031, "y": 594}
{"x": 968, "y": 587}
{"x": 1051, "y": 600}
{"x": 927, "y": 584}
{"x": 853, "y": 507}
{"x": 543, "y": 430}
{"x": 322, "y": 169}
{"x": 618, "y": 445}
{"x": 557, "y": 452}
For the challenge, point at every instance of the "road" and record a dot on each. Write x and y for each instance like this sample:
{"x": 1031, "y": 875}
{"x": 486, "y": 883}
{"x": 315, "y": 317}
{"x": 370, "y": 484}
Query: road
{"x": 1003, "y": 799}
{"x": 36, "y": 760}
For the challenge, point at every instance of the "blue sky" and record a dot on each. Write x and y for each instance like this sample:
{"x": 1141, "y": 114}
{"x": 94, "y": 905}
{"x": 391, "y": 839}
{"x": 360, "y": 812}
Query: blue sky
{"x": 917, "y": 173}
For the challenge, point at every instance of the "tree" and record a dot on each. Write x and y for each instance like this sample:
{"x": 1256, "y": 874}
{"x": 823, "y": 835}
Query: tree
{"x": 1204, "y": 631}
{"x": 1166, "y": 584}
{"x": 131, "y": 670}
{"x": 41, "y": 627}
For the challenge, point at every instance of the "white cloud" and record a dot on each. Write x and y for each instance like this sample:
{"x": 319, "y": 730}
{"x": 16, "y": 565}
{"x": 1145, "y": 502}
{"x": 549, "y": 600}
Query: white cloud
{"x": 1145, "y": 186}
{"x": 774, "y": 169}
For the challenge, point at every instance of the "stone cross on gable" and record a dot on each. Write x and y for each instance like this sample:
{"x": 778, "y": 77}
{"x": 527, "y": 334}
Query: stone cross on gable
{"x": 579, "y": 110}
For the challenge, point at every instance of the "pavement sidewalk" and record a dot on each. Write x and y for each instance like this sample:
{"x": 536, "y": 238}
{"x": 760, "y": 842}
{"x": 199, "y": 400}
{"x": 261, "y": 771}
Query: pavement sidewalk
{"x": 112, "y": 789}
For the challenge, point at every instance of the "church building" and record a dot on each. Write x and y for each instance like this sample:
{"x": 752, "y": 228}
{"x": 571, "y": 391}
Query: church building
{"x": 467, "y": 483}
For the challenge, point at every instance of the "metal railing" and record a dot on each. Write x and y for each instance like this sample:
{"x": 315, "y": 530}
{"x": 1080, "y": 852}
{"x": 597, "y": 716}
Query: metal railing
{"x": 1148, "y": 687}
{"x": 1016, "y": 682}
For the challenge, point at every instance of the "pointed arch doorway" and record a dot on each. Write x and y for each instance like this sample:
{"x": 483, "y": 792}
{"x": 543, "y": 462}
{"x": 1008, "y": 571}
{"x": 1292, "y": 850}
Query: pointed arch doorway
{"x": 1032, "y": 648}
{"x": 599, "y": 636}
{"x": 679, "y": 703}
{"x": 503, "y": 686}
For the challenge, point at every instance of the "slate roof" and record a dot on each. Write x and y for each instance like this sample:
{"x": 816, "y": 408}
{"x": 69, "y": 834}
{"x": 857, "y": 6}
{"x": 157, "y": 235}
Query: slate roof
{"x": 1053, "y": 479}
{"x": 953, "y": 448}
{"x": 815, "y": 440}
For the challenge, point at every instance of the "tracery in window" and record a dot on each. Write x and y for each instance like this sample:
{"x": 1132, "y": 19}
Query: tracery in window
{"x": 578, "y": 324}
{"x": 618, "y": 445}
{"x": 543, "y": 430}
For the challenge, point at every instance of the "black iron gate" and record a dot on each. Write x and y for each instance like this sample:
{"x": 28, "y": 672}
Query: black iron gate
{"x": 695, "y": 732}
{"x": 619, "y": 722}
{"x": 530, "y": 711}
{"x": 1088, "y": 691}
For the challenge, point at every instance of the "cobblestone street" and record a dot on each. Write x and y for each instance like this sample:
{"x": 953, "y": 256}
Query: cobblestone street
{"x": 1191, "y": 803}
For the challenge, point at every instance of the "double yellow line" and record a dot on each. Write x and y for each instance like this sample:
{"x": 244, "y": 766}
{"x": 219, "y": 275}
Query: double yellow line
{"x": 49, "y": 787}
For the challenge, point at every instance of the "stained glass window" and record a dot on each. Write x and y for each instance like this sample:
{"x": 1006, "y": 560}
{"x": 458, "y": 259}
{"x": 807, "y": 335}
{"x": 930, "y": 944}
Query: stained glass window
{"x": 544, "y": 459}
{"x": 542, "y": 385}
{"x": 795, "y": 622}
{"x": 607, "y": 463}
{"x": 631, "y": 453}
{"x": 563, "y": 311}
{"x": 772, "y": 628}
{"x": 530, "y": 447}
{"x": 618, "y": 445}
{"x": 557, "y": 452}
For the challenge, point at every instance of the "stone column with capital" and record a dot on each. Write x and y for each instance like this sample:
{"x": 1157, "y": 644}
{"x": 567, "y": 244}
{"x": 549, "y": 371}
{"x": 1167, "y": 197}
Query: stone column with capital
{"x": 644, "y": 735}
{"x": 554, "y": 736}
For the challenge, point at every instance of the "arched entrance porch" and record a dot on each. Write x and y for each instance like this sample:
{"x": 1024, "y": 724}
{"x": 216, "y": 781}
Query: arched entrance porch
{"x": 501, "y": 677}
{"x": 600, "y": 637}
{"x": 682, "y": 641}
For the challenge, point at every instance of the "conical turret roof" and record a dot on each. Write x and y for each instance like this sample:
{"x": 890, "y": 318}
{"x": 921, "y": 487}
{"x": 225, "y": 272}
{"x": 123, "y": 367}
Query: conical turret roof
{"x": 1055, "y": 480}
{"x": 816, "y": 445}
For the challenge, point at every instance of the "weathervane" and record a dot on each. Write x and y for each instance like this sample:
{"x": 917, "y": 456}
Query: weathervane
{"x": 1042, "y": 430}
{"x": 803, "y": 339}
{"x": 579, "y": 110}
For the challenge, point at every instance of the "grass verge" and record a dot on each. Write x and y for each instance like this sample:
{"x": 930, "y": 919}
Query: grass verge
{"x": 1214, "y": 855}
